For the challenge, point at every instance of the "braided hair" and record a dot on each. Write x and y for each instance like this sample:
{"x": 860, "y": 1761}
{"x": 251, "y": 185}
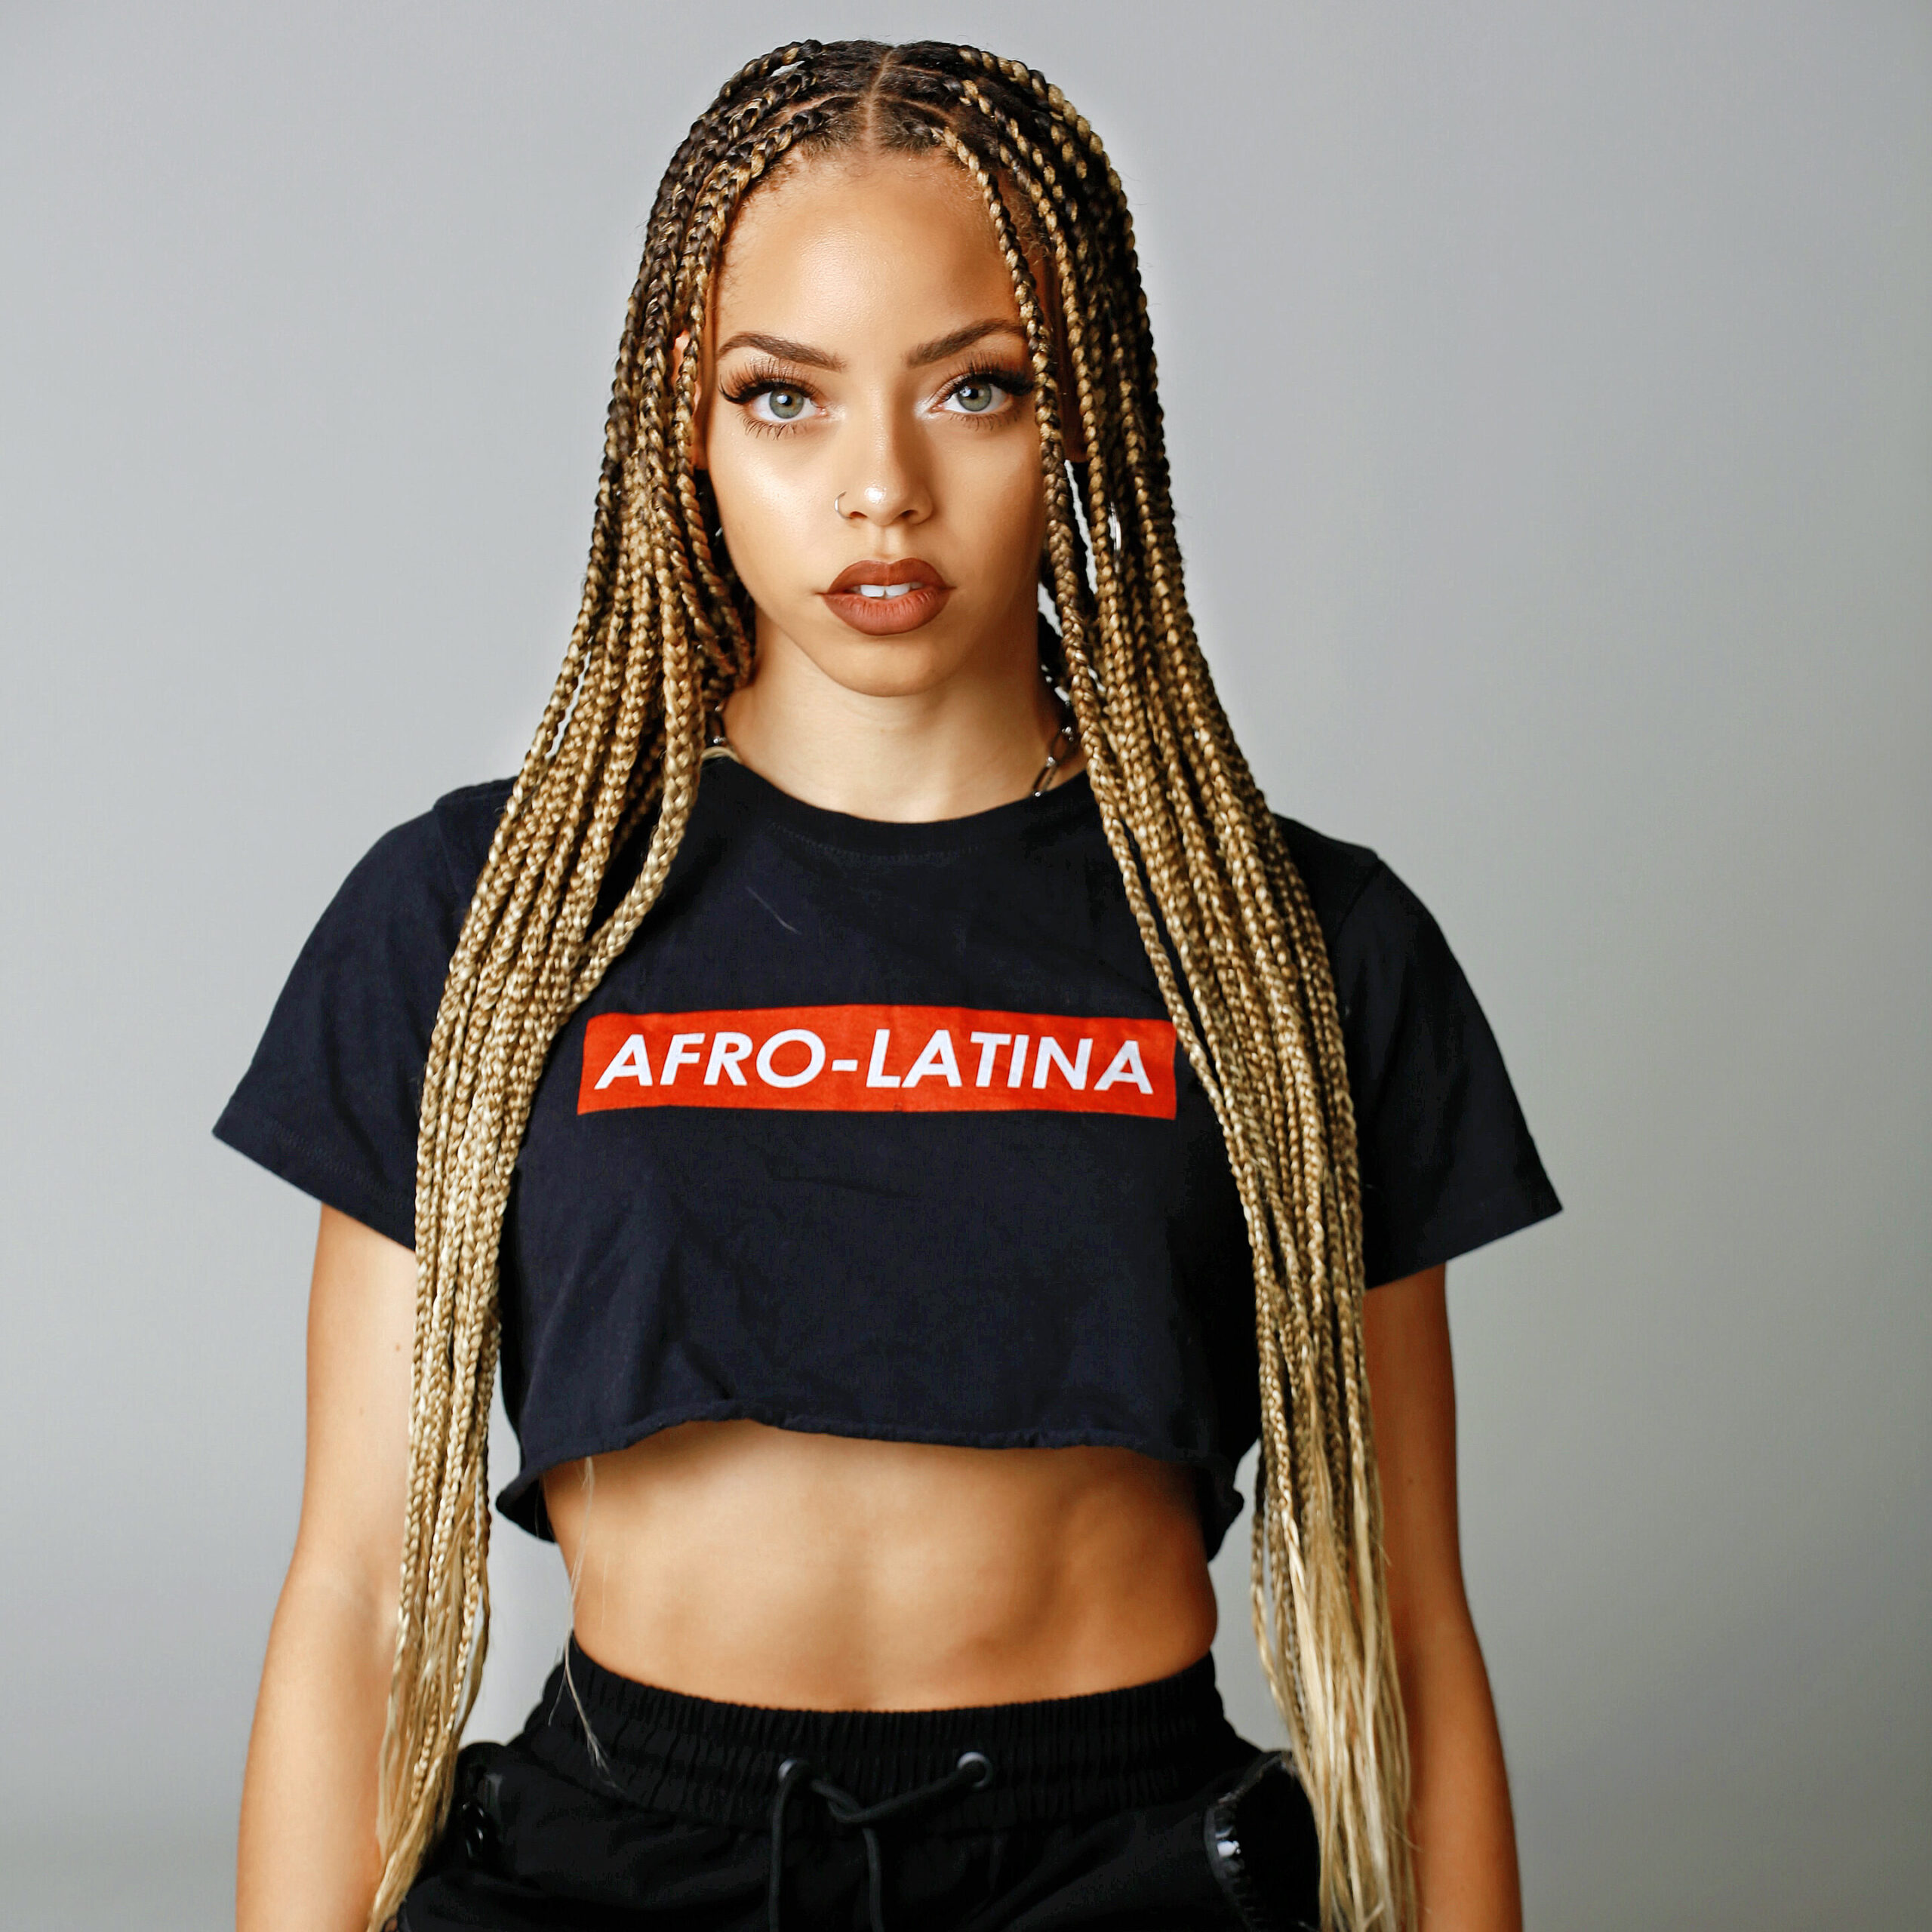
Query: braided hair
{"x": 662, "y": 636}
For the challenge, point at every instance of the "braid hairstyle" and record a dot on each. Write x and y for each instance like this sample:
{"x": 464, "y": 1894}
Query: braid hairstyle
{"x": 663, "y": 635}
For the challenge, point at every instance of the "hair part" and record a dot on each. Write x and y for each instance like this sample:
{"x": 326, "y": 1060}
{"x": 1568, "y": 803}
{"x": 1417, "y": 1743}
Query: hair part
{"x": 663, "y": 635}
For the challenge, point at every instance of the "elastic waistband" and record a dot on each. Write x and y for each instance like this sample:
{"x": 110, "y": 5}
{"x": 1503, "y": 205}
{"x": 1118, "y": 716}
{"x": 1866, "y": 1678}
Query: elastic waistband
{"x": 1061, "y": 1758}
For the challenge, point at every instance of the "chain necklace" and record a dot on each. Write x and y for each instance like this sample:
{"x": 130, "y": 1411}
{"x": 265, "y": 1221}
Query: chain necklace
{"x": 1062, "y": 748}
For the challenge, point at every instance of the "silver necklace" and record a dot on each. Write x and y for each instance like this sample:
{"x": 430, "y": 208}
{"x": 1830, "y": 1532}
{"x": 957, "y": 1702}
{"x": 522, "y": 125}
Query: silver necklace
{"x": 1062, "y": 748}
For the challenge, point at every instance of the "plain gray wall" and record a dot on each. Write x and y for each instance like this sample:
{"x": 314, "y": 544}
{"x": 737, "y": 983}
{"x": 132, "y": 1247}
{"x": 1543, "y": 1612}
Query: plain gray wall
{"x": 1548, "y": 393}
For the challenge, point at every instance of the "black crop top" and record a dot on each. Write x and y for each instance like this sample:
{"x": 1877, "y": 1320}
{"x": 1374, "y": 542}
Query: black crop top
{"x": 880, "y": 1130}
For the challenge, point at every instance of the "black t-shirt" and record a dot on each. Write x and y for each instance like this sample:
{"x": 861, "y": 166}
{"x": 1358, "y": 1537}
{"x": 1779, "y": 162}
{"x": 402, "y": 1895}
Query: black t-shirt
{"x": 880, "y": 1130}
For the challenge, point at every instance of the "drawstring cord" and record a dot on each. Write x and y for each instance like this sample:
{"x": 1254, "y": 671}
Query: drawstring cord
{"x": 974, "y": 1772}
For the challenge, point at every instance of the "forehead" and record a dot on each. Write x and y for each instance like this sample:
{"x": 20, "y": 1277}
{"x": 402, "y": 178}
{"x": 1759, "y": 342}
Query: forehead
{"x": 884, "y": 247}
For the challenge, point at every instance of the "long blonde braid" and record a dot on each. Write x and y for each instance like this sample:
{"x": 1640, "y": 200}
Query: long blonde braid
{"x": 661, "y": 638}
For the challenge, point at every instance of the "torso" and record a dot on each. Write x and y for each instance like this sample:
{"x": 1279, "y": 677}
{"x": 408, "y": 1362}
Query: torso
{"x": 899, "y": 1392}
{"x": 830, "y": 1567}
{"x": 771, "y": 1566}
{"x": 880, "y": 1133}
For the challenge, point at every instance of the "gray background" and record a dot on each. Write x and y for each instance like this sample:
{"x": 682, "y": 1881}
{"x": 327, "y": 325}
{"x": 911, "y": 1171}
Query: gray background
{"x": 1548, "y": 392}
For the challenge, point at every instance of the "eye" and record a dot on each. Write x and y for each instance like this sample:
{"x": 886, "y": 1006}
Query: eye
{"x": 779, "y": 404}
{"x": 984, "y": 392}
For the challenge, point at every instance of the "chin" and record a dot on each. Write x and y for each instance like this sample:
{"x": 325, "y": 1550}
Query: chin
{"x": 903, "y": 665}
{"x": 888, "y": 667}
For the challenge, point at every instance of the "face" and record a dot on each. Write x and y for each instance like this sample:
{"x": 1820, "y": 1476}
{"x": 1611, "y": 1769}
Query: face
{"x": 867, "y": 422}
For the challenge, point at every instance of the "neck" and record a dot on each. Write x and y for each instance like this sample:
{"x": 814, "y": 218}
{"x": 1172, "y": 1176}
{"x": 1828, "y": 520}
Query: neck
{"x": 974, "y": 740}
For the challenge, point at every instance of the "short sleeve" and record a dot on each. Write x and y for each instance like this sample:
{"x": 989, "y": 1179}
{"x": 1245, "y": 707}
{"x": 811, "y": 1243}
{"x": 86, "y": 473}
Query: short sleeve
{"x": 330, "y": 1102}
{"x": 1448, "y": 1163}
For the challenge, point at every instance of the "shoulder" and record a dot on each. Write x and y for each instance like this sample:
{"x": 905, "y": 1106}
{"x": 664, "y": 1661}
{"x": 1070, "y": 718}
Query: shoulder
{"x": 466, "y": 818}
{"x": 1369, "y": 918}
{"x": 441, "y": 851}
{"x": 385, "y": 939}
{"x": 1446, "y": 1161}
{"x": 418, "y": 877}
{"x": 1391, "y": 964}
{"x": 330, "y": 1100}
{"x": 1339, "y": 876}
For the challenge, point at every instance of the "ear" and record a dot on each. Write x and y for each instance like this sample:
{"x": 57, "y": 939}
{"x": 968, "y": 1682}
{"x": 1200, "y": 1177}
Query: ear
{"x": 701, "y": 416}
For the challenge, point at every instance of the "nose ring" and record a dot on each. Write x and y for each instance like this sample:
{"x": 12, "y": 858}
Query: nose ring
{"x": 837, "y": 505}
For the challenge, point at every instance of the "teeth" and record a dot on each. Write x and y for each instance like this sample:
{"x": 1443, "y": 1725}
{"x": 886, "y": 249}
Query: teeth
{"x": 884, "y": 589}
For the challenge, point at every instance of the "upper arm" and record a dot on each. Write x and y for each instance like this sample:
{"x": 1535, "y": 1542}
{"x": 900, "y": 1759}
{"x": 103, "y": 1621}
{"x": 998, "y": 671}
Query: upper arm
{"x": 1412, "y": 1396}
{"x": 362, "y": 1330}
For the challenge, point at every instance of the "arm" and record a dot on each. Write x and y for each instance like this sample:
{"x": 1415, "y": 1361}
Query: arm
{"x": 1459, "y": 1817}
{"x": 308, "y": 1860}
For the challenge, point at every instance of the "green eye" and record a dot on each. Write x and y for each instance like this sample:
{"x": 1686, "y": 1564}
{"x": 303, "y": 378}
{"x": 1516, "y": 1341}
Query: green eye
{"x": 976, "y": 398}
{"x": 787, "y": 405}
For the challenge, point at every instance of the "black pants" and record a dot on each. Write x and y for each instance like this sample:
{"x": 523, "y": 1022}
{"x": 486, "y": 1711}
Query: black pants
{"x": 1136, "y": 1811}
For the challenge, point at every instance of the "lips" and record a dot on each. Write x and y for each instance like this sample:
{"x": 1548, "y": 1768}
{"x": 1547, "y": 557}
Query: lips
{"x": 884, "y": 599}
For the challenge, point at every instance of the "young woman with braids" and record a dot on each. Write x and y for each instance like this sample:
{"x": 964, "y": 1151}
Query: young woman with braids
{"x": 906, "y": 1118}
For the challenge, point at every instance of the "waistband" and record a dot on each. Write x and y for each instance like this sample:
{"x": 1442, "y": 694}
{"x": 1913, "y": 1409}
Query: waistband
{"x": 719, "y": 1763}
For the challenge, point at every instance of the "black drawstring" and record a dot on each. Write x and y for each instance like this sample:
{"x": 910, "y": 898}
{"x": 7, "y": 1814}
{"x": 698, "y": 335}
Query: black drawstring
{"x": 974, "y": 1772}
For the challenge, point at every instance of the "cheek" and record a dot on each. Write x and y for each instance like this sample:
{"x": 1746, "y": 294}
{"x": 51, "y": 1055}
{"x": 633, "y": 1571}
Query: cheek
{"x": 1000, "y": 496}
{"x": 765, "y": 509}
{"x": 1019, "y": 535}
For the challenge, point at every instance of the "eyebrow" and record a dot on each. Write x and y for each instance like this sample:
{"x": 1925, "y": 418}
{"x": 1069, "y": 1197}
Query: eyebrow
{"x": 940, "y": 347}
{"x": 783, "y": 349}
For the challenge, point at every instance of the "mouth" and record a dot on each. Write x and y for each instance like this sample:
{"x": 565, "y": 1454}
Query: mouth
{"x": 884, "y": 599}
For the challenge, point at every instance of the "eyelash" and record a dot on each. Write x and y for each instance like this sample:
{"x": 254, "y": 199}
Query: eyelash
{"x": 762, "y": 378}
{"x": 1010, "y": 381}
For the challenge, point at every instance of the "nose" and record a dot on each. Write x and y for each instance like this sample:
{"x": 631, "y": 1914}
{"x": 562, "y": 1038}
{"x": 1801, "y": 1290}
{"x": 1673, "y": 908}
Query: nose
{"x": 886, "y": 485}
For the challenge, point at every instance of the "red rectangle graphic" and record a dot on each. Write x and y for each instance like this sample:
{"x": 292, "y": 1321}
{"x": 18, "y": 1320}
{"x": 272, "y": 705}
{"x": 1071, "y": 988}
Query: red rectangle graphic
{"x": 878, "y": 1060}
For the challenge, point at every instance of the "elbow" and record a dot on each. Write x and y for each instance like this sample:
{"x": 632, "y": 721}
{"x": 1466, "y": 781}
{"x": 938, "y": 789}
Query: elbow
{"x": 354, "y": 1597}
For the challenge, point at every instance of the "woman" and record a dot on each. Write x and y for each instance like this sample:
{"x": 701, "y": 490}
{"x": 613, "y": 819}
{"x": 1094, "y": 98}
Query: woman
{"x": 875, "y": 1072}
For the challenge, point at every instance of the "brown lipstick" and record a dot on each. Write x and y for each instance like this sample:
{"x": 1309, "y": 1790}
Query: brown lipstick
{"x": 886, "y": 599}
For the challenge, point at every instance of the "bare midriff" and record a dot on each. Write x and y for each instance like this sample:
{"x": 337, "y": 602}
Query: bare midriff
{"x": 763, "y": 1566}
